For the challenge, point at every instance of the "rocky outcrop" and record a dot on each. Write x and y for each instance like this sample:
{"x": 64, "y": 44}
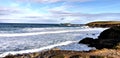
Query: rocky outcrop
{"x": 88, "y": 40}
{"x": 103, "y": 24}
{"x": 109, "y": 38}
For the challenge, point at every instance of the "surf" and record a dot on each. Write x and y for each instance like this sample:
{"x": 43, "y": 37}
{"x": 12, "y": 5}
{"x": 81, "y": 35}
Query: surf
{"x": 36, "y": 50}
{"x": 49, "y": 32}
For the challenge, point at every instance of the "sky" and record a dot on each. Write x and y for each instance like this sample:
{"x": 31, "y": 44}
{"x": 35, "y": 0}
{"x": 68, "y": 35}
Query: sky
{"x": 59, "y": 11}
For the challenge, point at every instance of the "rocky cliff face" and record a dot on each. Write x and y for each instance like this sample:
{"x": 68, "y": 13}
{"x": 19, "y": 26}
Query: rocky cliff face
{"x": 109, "y": 38}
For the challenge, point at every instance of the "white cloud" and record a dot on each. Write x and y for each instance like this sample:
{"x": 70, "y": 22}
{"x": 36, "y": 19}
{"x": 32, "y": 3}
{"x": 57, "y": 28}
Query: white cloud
{"x": 53, "y": 1}
{"x": 52, "y": 15}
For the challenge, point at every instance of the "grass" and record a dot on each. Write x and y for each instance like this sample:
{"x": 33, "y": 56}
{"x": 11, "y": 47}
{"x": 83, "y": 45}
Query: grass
{"x": 105, "y": 22}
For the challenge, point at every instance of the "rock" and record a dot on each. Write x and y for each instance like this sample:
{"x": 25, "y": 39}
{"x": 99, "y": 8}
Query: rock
{"x": 87, "y": 40}
{"x": 58, "y": 56}
{"x": 104, "y": 53}
{"x": 112, "y": 33}
{"x": 93, "y": 34}
{"x": 55, "y": 48}
{"x": 98, "y": 57}
{"x": 75, "y": 56}
{"x": 117, "y": 46}
{"x": 9, "y": 56}
{"x": 109, "y": 38}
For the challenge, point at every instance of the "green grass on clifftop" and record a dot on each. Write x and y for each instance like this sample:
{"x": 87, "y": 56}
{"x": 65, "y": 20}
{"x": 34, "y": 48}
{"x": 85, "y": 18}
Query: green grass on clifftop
{"x": 103, "y": 23}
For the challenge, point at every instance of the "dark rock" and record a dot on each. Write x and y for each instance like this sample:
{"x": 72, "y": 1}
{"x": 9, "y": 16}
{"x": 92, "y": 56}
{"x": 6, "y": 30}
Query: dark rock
{"x": 117, "y": 46}
{"x": 93, "y": 34}
{"x": 57, "y": 56}
{"x": 112, "y": 33}
{"x": 87, "y": 40}
{"x": 9, "y": 56}
{"x": 109, "y": 38}
{"x": 75, "y": 56}
{"x": 98, "y": 57}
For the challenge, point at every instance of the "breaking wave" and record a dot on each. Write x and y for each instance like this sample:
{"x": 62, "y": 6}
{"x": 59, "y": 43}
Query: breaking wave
{"x": 36, "y": 50}
{"x": 48, "y": 32}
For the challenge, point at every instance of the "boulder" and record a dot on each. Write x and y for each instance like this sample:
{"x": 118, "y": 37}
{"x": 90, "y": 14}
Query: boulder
{"x": 111, "y": 33}
{"x": 109, "y": 38}
{"x": 87, "y": 40}
{"x": 76, "y": 56}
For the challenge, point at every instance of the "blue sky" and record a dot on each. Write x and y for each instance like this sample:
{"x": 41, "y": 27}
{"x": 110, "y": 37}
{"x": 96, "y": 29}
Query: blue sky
{"x": 58, "y": 11}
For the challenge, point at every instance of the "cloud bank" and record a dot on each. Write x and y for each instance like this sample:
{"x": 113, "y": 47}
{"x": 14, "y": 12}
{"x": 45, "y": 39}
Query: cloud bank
{"x": 12, "y": 15}
{"x": 53, "y": 11}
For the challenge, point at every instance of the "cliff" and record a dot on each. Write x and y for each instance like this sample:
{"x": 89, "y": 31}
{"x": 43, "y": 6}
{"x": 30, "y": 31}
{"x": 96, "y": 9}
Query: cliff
{"x": 103, "y": 24}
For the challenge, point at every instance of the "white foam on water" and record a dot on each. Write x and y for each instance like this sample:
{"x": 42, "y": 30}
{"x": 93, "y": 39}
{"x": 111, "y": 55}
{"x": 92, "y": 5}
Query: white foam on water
{"x": 36, "y": 50}
{"x": 49, "y": 32}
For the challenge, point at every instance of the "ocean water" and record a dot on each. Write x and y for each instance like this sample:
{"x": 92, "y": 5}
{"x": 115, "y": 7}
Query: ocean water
{"x": 26, "y": 38}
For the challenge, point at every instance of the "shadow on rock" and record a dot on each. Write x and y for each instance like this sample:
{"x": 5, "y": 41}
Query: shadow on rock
{"x": 109, "y": 38}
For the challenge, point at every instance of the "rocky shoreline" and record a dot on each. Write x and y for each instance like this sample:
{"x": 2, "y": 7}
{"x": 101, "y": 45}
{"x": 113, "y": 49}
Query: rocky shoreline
{"x": 104, "y": 53}
{"x": 107, "y": 44}
{"x": 109, "y": 38}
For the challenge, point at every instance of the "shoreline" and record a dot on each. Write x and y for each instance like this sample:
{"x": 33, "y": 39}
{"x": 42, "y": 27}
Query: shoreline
{"x": 56, "y": 53}
{"x": 36, "y": 50}
{"x": 107, "y": 46}
{"x": 47, "y": 48}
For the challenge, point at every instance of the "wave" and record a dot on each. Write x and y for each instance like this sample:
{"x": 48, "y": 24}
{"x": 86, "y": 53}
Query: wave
{"x": 49, "y": 32}
{"x": 36, "y": 50}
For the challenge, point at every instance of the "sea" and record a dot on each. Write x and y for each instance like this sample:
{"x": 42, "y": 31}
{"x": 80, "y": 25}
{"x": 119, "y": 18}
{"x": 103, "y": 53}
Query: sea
{"x": 18, "y": 38}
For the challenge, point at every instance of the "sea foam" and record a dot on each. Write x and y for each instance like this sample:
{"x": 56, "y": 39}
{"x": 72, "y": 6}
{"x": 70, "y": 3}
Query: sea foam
{"x": 36, "y": 50}
{"x": 48, "y": 32}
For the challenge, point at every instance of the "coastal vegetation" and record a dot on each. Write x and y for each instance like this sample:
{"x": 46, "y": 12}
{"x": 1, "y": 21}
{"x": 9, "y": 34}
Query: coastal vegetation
{"x": 103, "y": 23}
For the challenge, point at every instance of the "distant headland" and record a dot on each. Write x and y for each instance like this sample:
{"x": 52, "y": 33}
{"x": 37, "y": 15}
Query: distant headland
{"x": 103, "y": 23}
